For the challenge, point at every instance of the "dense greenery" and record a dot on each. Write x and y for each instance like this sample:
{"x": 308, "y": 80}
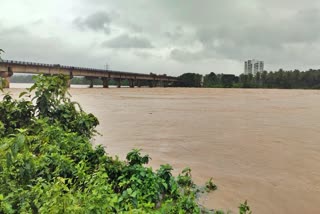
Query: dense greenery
{"x": 279, "y": 79}
{"x": 220, "y": 80}
{"x": 282, "y": 79}
{"x": 209, "y": 80}
{"x": 47, "y": 164}
{"x": 189, "y": 80}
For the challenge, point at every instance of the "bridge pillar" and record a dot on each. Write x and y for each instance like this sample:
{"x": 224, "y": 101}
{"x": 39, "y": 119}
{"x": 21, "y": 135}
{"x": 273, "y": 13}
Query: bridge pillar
{"x": 69, "y": 83}
{"x": 91, "y": 83}
{"x": 138, "y": 83}
{"x": 151, "y": 84}
{"x": 69, "y": 79}
{"x": 90, "y": 79}
{"x": 131, "y": 83}
{"x": 118, "y": 80}
{"x": 155, "y": 83}
{"x": 160, "y": 83}
{"x": 165, "y": 84}
{"x": 105, "y": 82}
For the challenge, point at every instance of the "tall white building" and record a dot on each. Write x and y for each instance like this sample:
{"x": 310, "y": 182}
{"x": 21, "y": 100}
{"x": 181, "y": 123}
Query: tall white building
{"x": 253, "y": 66}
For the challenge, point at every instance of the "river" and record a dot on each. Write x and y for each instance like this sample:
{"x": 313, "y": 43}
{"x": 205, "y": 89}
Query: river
{"x": 258, "y": 145}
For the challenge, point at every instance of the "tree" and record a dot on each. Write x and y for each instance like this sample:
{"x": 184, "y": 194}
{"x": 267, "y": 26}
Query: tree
{"x": 227, "y": 80}
{"x": 257, "y": 78}
{"x": 263, "y": 78}
{"x": 190, "y": 80}
{"x": 246, "y": 80}
{"x": 210, "y": 80}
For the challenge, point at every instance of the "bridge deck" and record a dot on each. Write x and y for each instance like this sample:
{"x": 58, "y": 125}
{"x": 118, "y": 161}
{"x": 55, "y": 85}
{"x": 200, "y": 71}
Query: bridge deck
{"x": 42, "y": 68}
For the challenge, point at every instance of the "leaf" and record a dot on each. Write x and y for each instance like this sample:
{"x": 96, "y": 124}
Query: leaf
{"x": 9, "y": 159}
{"x": 186, "y": 170}
{"x": 129, "y": 191}
{"x": 134, "y": 194}
{"x": 22, "y": 94}
{"x": 165, "y": 185}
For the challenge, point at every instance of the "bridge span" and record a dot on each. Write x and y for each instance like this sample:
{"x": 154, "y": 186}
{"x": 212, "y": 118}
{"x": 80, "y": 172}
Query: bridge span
{"x": 9, "y": 67}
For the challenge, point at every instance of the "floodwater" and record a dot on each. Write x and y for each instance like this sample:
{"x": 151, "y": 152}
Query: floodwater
{"x": 259, "y": 145}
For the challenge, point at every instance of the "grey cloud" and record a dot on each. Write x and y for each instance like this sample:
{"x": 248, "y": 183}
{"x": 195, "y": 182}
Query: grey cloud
{"x": 125, "y": 41}
{"x": 271, "y": 39}
{"x": 266, "y": 33}
{"x": 183, "y": 55}
{"x": 232, "y": 30}
{"x": 97, "y": 21}
{"x": 20, "y": 44}
{"x": 134, "y": 27}
{"x": 143, "y": 54}
{"x": 12, "y": 31}
{"x": 205, "y": 34}
{"x": 37, "y": 22}
{"x": 175, "y": 34}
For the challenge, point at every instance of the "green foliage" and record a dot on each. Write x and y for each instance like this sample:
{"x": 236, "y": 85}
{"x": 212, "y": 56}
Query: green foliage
{"x": 15, "y": 114}
{"x": 227, "y": 80}
{"x": 53, "y": 102}
{"x": 210, "y": 80}
{"x": 210, "y": 185}
{"x": 48, "y": 165}
{"x": 309, "y": 79}
{"x": 296, "y": 79}
{"x": 189, "y": 80}
{"x": 134, "y": 157}
{"x": 244, "y": 208}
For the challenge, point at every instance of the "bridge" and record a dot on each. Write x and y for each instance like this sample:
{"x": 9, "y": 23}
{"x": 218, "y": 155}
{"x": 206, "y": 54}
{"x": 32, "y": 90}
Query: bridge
{"x": 9, "y": 67}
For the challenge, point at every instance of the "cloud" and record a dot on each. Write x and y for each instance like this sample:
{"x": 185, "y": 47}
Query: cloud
{"x": 99, "y": 21}
{"x": 183, "y": 55}
{"x": 125, "y": 41}
{"x": 277, "y": 40}
{"x": 204, "y": 36}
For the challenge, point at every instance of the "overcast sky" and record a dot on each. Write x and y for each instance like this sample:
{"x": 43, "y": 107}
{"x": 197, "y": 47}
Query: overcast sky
{"x": 163, "y": 36}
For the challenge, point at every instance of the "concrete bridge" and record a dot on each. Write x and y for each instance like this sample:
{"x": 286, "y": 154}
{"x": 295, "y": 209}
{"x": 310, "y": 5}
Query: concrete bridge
{"x": 9, "y": 67}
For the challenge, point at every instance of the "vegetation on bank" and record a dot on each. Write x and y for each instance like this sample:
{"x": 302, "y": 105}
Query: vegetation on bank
{"x": 279, "y": 79}
{"x": 48, "y": 165}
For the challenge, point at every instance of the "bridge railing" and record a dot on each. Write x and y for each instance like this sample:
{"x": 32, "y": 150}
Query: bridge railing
{"x": 23, "y": 63}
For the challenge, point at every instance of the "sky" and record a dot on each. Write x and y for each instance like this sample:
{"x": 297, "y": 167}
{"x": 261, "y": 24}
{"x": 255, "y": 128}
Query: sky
{"x": 163, "y": 36}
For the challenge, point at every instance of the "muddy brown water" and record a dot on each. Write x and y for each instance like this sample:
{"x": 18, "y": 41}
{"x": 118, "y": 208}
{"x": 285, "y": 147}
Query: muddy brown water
{"x": 259, "y": 145}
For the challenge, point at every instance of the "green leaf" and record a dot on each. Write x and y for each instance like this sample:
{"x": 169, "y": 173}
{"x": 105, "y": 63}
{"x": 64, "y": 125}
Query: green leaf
{"x": 8, "y": 159}
{"x": 22, "y": 94}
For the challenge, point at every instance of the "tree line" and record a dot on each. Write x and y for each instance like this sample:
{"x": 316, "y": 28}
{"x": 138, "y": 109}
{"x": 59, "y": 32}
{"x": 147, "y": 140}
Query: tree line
{"x": 295, "y": 79}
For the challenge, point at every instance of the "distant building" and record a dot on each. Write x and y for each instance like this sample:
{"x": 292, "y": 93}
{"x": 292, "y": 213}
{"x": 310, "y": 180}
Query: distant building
{"x": 253, "y": 66}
